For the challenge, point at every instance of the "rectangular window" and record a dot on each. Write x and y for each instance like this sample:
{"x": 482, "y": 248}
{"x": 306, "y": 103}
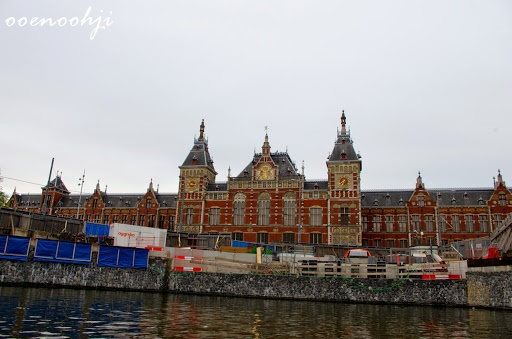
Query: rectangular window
{"x": 262, "y": 238}
{"x": 470, "y": 224}
{"x": 442, "y": 222}
{"x": 263, "y": 212}
{"x": 390, "y": 243}
{"x": 106, "y": 219}
{"x": 94, "y": 203}
{"x": 289, "y": 213}
{"x": 151, "y": 221}
{"x": 315, "y": 238}
{"x": 239, "y": 212}
{"x": 344, "y": 216}
{"x": 189, "y": 216}
{"x": 238, "y": 236}
{"x": 142, "y": 220}
{"x": 172, "y": 222}
{"x": 498, "y": 221}
{"x": 148, "y": 202}
{"x": 421, "y": 201}
{"x": 364, "y": 243}
{"x": 161, "y": 221}
{"x": 376, "y": 223}
{"x": 377, "y": 243}
{"x": 315, "y": 216}
{"x": 214, "y": 216}
{"x": 402, "y": 223}
{"x": 415, "y": 223}
{"x": 403, "y": 243}
{"x": 389, "y": 224}
{"x": 133, "y": 219}
{"x": 429, "y": 223}
{"x": 502, "y": 199}
{"x": 115, "y": 218}
{"x": 483, "y": 220}
{"x": 456, "y": 223}
{"x": 365, "y": 223}
{"x": 289, "y": 238}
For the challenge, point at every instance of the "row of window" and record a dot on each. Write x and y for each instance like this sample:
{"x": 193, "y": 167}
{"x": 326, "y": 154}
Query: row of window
{"x": 164, "y": 221}
{"x": 289, "y": 214}
{"x": 288, "y": 237}
{"x": 446, "y": 223}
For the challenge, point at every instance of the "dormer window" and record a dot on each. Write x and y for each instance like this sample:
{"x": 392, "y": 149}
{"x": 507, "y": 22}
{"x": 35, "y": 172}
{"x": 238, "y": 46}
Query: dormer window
{"x": 375, "y": 202}
{"x": 481, "y": 201}
{"x": 466, "y": 198}
{"x": 439, "y": 198}
{"x": 388, "y": 200}
{"x": 401, "y": 202}
{"x": 502, "y": 199}
{"x": 454, "y": 201}
{"x": 194, "y": 160}
{"x": 216, "y": 187}
{"x": 343, "y": 155}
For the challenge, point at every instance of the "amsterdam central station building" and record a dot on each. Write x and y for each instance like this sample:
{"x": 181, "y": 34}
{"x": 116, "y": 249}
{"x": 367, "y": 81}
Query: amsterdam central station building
{"x": 271, "y": 201}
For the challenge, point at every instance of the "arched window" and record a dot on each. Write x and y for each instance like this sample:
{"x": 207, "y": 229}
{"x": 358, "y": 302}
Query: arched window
{"x": 239, "y": 209}
{"x": 289, "y": 207}
{"x": 264, "y": 209}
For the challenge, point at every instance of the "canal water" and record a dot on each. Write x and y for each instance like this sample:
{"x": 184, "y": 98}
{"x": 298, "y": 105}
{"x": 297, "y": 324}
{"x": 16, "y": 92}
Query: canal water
{"x": 68, "y": 313}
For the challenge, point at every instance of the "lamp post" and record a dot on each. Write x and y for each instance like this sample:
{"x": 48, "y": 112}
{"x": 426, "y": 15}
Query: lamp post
{"x": 181, "y": 193}
{"x": 81, "y": 184}
{"x": 299, "y": 214}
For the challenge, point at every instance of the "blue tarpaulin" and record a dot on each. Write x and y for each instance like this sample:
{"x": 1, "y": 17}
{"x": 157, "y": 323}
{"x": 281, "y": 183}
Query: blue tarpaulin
{"x": 123, "y": 257}
{"x": 245, "y": 244}
{"x": 62, "y": 251}
{"x": 14, "y": 248}
{"x": 99, "y": 230}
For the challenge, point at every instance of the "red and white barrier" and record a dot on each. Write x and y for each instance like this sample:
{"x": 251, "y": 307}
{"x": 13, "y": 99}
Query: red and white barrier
{"x": 441, "y": 277}
{"x": 187, "y": 269}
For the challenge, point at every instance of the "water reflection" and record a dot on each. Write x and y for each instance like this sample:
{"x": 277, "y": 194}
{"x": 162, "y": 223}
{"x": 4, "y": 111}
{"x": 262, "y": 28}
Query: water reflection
{"x": 65, "y": 313}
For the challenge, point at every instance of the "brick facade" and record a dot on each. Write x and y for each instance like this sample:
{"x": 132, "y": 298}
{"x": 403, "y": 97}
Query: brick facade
{"x": 270, "y": 200}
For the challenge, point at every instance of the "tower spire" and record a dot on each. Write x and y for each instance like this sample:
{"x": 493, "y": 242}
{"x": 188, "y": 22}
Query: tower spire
{"x": 343, "y": 123}
{"x": 265, "y": 149}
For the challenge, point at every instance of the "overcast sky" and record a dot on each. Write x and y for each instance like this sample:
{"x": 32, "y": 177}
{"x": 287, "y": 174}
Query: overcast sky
{"x": 426, "y": 86}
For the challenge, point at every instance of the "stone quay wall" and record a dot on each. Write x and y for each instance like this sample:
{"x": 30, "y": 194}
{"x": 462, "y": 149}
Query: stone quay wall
{"x": 480, "y": 289}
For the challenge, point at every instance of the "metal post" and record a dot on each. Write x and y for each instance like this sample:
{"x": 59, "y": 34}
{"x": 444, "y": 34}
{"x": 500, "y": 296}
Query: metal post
{"x": 81, "y": 184}
{"x": 47, "y": 187}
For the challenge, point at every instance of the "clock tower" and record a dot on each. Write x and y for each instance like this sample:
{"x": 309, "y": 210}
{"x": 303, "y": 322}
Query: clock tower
{"x": 344, "y": 185}
{"x": 196, "y": 173}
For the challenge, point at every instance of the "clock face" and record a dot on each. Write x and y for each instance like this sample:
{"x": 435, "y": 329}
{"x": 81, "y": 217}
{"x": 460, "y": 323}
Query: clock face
{"x": 265, "y": 173}
{"x": 342, "y": 182}
{"x": 191, "y": 185}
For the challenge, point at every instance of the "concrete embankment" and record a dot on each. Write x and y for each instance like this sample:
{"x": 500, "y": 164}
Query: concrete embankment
{"x": 480, "y": 289}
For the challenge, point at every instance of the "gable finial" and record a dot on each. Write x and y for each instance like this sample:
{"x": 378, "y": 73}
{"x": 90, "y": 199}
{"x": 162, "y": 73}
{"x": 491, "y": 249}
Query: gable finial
{"x": 419, "y": 181}
{"x": 201, "y": 130}
{"x": 343, "y": 123}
